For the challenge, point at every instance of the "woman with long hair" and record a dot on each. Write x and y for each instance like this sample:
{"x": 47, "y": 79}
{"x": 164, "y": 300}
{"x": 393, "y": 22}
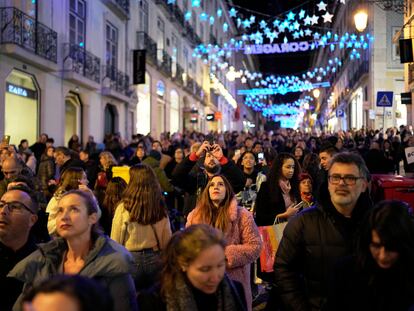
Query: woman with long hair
{"x": 141, "y": 224}
{"x": 193, "y": 277}
{"x": 279, "y": 194}
{"x": 380, "y": 275}
{"x": 113, "y": 195}
{"x": 218, "y": 207}
{"x": 72, "y": 178}
{"x": 82, "y": 249}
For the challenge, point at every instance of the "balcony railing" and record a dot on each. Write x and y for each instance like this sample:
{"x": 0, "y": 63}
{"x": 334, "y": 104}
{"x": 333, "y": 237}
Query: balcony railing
{"x": 82, "y": 62}
{"x": 165, "y": 62}
{"x": 178, "y": 78}
{"x": 178, "y": 14}
{"x": 18, "y": 28}
{"x": 189, "y": 86}
{"x": 213, "y": 39}
{"x": 119, "y": 81}
{"x": 145, "y": 42}
{"x": 119, "y": 7}
{"x": 191, "y": 35}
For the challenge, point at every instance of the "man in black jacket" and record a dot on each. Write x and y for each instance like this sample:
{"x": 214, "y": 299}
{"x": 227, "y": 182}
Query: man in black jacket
{"x": 316, "y": 238}
{"x": 193, "y": 172}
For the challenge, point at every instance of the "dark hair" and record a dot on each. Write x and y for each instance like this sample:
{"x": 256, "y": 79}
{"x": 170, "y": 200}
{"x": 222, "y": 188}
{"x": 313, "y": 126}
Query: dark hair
{"x": 113, "y": 194}
{"x": 24, "y": 179}
{"x": 275, "y": 174}
{"x": 31, "y": 193}
{"x": 88, "y": 293}
{"x": 394, "y": 225}
{"x": 65, "y": 151}
{"x": 183, "y": 248}
{"x": 328, "y": 148}
{"x": 240, "y": 160}
{"x": 351, "y": 158}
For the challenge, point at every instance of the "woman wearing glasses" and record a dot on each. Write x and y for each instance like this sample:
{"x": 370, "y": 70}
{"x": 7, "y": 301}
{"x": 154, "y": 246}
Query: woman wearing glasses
{"x": 380, "y": 275}
{"x": 81, "y": 249}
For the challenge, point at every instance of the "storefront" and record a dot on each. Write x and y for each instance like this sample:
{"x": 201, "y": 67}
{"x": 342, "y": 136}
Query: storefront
{"x": 22, "y": 106}
{"x": 143, "y": 125}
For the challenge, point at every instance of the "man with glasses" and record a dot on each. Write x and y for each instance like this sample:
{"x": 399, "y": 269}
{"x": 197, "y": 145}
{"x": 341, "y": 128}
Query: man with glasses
{"x": 18, "y": 214}
{"x": 315, "y": 239}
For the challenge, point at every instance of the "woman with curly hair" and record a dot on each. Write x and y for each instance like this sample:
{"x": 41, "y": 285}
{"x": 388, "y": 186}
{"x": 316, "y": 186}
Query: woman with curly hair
{"x": 141, "y": 223}
{"x": 194, "y": 275}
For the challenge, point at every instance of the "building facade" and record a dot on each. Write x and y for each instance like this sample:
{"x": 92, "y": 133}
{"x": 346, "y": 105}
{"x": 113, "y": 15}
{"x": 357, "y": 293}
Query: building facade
{"x": 351, "y": 102}
{"x": 66, "y": 68}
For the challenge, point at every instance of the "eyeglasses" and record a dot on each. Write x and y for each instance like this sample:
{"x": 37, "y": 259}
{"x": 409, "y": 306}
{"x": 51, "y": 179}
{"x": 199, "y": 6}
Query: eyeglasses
{"x": 348, "y": 180}
{"x": 15, "y": 207}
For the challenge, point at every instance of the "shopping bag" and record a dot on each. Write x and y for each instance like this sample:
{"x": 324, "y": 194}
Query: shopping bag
{"x": 271, "y": 236}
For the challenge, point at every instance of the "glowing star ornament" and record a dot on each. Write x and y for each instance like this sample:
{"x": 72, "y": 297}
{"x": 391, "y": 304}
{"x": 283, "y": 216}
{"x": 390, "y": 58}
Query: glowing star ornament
{"x": 170, "y": 1}
{"x": 263, "y": 24}
{"x": 196, "y": 3}
{"x": 301, "y": 14}
{"x": 315, "y": 19}
{"x": 321, "y": 6}
{"x": 232, "y": 12}
{"x": 308, "y": 20}
{"x": 291, "y": 16}
{"x": 327, "y": 17}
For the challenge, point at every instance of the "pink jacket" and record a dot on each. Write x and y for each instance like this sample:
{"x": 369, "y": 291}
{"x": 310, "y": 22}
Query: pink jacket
{"x": 243, "y": 245}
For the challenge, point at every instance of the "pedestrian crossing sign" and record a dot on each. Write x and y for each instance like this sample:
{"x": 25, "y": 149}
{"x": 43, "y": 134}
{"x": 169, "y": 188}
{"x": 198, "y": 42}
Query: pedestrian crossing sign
{"x": 384, "y": 99}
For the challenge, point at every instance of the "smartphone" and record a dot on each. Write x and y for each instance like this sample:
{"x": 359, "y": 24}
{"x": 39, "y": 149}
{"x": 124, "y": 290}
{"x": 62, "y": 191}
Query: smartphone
{"x": 6, "y": 139}
{"x": 299, "y": 205}
{"x": 260, "y": 156}
{"x": 210, "y": 139}
{"x": 237, "y": 152}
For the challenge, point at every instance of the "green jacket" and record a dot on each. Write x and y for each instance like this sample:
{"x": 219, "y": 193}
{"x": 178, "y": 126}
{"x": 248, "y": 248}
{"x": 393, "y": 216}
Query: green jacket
{"x": 161, "y": 176}
{"x": 108, "y": 263}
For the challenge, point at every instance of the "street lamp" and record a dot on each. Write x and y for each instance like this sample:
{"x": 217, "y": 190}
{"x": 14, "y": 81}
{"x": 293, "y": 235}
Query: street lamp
{"x": 361, "y": 20}
{"x": 316, "y": 93}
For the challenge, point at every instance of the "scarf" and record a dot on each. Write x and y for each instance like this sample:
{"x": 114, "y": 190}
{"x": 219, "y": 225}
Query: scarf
{"x": 182, "y": 299}
{"x": 285, "y": 186}
{"x": 307, "y": 197}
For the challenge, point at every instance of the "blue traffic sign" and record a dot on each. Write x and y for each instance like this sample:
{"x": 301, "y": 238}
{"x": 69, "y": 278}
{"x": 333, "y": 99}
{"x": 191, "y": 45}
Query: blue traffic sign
{"x": 340, "y": 113}
{"x": 384, "y": 99}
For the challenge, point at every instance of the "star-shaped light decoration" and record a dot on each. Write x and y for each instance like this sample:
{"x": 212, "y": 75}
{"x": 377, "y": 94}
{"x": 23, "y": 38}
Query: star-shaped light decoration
{"x": 315, "y": 19}
{"x": 308, "y": 32}
{"x": 233, "y": 12}
{"x": 211, "y": 20}
{"x": 301, "y": 14}
{"x": 307, "y": 20}
{"x": 225, "y": 27}
{"x": 321, "y": 6}
{"x": 276, "y": 23}
{"x": 195, "y": 3}
{"x": 262, "y": 24}
{"x": 219, "y": 12}
{"x": 252, "y": 19}
{"x": 327, "y": 17}
{"x": 316, "y": 36}
{"x": 296, "y": 35}
{"x": 291, "y": 16}
{"x": 246, "y": 23}
{"x": 170, "y": 1}
{"x": 203, "y": 16}
{"x": 296, "y": 25}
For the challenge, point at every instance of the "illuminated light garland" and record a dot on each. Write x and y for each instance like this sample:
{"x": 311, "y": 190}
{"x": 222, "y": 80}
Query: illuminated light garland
{"x": 217, "y": 85}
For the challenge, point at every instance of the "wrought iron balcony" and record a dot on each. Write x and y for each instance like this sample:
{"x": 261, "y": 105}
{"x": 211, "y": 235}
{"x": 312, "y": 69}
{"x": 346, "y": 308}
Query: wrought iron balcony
{"x": 178, "y": 15}
{"x": 198, "y": 91}
{"x": 82, "y": 62}
{"x": 119, "y": 7}
{"x": 165, "y": 63}
{"x": 119, "y": 81}
{"x": 191, "y": 35}
{"x": 178, "y": 78}
{"x": 145, "y": 42}
{"x": 213, "y": 39}
{"x": 189, "y": 86}
{"x": 16, "y": 27}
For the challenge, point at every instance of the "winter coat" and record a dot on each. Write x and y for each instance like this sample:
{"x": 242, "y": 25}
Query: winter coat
{"x": 46, "y": 171}
{"x": 243, "y": 244}
{"x": 312, "y": 243}
{"x": 159, "y": 172}
{"x": 268, "y": 206}
{"x": 108, "y": 263}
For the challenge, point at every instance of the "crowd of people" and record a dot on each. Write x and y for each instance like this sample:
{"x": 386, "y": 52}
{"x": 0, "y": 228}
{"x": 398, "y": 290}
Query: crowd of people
{"x": 180, "y": 230}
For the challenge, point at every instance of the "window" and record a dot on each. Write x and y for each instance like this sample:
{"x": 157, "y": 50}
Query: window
{"x": 77, "y": 20}
{"x": 395, "y": 46}
{"x": 143, "y": 16}
{"x": 111, "y": 45}
{"x": 175, "y": 53}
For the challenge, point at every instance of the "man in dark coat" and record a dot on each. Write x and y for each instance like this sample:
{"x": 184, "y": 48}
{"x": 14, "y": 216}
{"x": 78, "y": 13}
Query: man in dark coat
{"x": 193, "y": 173}
{"x": 316, "y": 238}
{"x": 18, "y": 215}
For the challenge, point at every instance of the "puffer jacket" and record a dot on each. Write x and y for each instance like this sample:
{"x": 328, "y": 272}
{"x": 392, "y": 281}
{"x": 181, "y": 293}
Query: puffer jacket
{"x": 312, "y": 243}
{"x": 108, "y": 263}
